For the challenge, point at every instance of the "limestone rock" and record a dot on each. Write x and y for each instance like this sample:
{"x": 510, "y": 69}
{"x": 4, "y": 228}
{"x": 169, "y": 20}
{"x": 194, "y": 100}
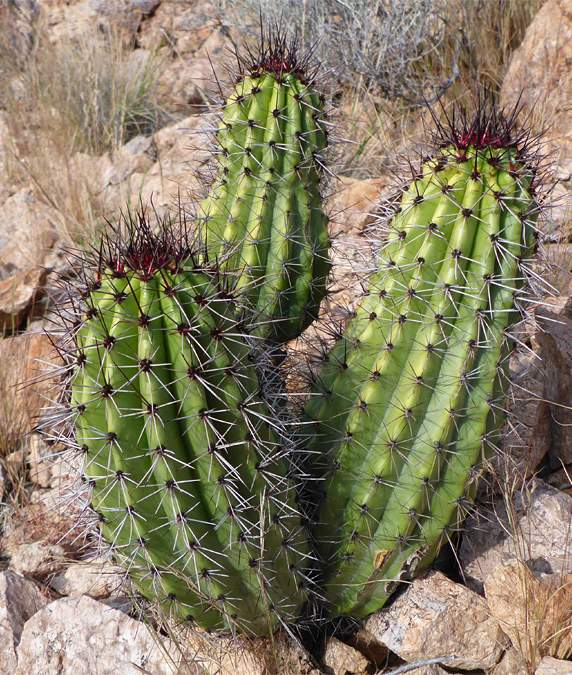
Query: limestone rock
{"x": 540, "y": 77}
{"x": 19, "y": 600}
{"x": 96, "y": 579}
{"x": 541, "y": 516}
{"x": 551, "y": 666}
{"x": 534, "y": 612}
{"x": 341, "y": 659}
{"x": 436, "y": 617}
{"x": 81, "y": 635}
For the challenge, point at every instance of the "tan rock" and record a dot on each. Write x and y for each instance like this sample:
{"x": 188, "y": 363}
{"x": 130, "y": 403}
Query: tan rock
{"x": 538, "y": 529}
{"x": 29, "y": 235}
{"x": 527, "y": 438}
{"x": 19, "y": 600}
{"x": 536, "y": 613}
{"x": 19, "y": 294}
{"x": 511, "y": 663}
{"x": 65, "y": 20}
{"x": 29, "y": 357}
{"x": 540, "y": 76}
{"x": 37, "y": 559}
{"x": 436, "y": 617}
{"x": 81, "y": 635}
{"x": 189, "y": 38}
{"x": 96, "y": 579}
{"x": 342, "y": 659}
{"x": 555, "y": 338}
{"x": 551, "y": 666}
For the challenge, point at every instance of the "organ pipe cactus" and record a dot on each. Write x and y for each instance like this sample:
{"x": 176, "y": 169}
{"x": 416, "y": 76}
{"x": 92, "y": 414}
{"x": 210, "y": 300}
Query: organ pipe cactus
{"x": 263, "y": 218}
{"x": 187, "y": 462}
{"x": 409, "y": 401}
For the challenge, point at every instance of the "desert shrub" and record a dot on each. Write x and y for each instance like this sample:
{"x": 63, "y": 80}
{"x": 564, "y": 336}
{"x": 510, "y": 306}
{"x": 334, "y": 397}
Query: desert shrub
{"x": 408, "y": 49}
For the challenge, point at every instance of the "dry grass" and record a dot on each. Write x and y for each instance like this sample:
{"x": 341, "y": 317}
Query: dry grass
{"x": 87, "y": 95}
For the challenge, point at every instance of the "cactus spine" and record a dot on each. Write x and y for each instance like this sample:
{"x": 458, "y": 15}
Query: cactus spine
{"x": 410, "y": 398}
{"x": 185, "y": 458}
{"x": 263, "y": 218}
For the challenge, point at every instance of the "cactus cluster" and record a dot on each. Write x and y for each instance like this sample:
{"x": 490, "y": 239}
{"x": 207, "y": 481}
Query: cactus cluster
{"x": 176, "y": 401}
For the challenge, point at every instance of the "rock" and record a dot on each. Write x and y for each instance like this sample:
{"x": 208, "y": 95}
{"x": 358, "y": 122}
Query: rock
{"x": 555, "y": 339}
{"x": 341, "y": 659}
{"x": 96, "y": 579}
{"x": 85, "y": 18}
{"x": 551, "y": 666}
{"x": 534, "y": 612}
{"x": 539, "y": 76}
{"x": 29, "y": 357}
{"x": 541, "y": 515}
{"x": 18, "y": 294}
{"x": 527, "y": 438}
{"x": 436, "y": 617}
{"x": 188, "y": 38}
{"x": 49, "y": 519}
{"x": 511, "y": 663}
{"x": 29, "y": 236}
{"x": 81, "y": 635}
{"x": 37, "y": 559}
{"x": 19, "y": 600}
{"x": 180, "y": 150}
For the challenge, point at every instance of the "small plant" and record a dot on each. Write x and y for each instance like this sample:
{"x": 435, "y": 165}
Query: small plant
{"x": 264, "y": 218}
{"x": 187, "y": 460}
{"x": 410, "y": 400}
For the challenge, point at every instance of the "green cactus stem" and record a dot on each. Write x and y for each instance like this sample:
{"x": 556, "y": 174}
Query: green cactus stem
{"x": 409, "y": 401}
{"x": 263, "y": 218}
{"x": 187, "y": 462}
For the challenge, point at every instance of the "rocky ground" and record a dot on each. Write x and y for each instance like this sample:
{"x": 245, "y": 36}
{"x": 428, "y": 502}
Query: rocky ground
{"x": 507, "y": 607}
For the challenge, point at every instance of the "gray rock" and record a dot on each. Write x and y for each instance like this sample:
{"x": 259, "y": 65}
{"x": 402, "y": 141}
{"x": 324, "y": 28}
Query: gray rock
{"x": 436, "y": 617}
{"x": 19, "y": 600}
{"x": 539, "y": 528}
{"x": 80, "y": 635}
{"x": 97, "y": 579}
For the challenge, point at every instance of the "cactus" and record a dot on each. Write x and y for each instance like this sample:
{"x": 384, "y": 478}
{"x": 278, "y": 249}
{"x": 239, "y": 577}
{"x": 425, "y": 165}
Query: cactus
{"x": 409, "y": 400}
{"x": 187, "y": 461}
{"x": 263, "y": 218}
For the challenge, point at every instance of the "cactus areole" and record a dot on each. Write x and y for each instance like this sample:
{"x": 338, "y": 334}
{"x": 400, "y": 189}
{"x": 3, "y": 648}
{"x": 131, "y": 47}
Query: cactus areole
{"x": 263, "y": 218}
{"x": 409, "y": 401}
{"x": 188, "y": 469}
